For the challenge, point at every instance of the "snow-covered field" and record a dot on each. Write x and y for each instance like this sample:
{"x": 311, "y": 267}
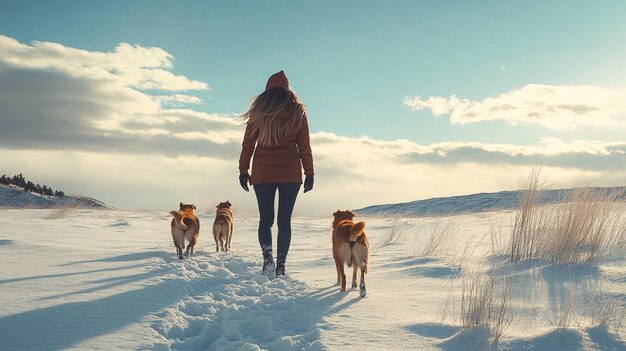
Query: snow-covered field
{"x": 109, "y": 280}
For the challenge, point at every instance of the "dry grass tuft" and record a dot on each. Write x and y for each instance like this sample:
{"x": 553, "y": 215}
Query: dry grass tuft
{"x": 529, "y": 220}
{"x": 586, "y": 225}
{"x": 393, "y": 235}
{"x": 441, "y": 235}
{"x": 486, "y": 299}
{"x": 65, "y": 210}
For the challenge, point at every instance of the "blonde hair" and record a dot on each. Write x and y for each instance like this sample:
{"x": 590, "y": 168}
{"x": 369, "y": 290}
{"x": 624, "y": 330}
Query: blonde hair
{"x": 264, "y": 115}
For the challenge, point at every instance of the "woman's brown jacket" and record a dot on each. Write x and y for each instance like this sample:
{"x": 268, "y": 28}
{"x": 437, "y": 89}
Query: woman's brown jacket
{"x": 280, "y": 163}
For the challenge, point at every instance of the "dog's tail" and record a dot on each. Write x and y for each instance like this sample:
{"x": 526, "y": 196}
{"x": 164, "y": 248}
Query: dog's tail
{"x": 357, "y": 229}
{"x": 178, "y": 217}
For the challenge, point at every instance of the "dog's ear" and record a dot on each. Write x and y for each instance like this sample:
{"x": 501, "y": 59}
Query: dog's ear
{"x": 336, "y": 213}
{"x": 228, "y": 202}
{"x": 180, "y": 205}
{"x": 193, "y": 206}
{"x": 351, "y": 214}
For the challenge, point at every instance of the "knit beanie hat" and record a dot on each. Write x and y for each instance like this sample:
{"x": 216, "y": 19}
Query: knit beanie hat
{"x": 278, "y": 80}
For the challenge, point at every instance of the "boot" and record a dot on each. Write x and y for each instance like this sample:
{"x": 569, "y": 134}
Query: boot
{"x": 268, "y": 265}
{"x": 280, "y": 269}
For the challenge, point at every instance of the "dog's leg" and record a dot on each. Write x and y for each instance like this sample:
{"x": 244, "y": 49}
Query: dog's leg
{"x": 230, "y": 235}
{"x": 217, "y": 234}
{"x": 343, "y": 277}
{"x": 220, "y": 239}
{"x": 224, "y": 238}
{"x": 338, "y": 271}
{"x": 179, "y": 241}
{"x": 215, "y": 237}
{"x": 191, "y": 245}
{"x": 232, "y": 231}
{"x": 354, "y": 269}
{"x": 362, "y": 290}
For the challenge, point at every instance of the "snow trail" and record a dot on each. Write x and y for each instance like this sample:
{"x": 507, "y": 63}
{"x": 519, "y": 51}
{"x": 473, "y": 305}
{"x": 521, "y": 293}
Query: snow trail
{"x": 230, "y": 305}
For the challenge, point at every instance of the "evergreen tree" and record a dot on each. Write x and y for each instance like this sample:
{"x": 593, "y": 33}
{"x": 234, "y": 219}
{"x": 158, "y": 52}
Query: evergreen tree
{"x": 19, "y": 180}
{"x": 27, "y": 185}
{"x": 48, "y": 191}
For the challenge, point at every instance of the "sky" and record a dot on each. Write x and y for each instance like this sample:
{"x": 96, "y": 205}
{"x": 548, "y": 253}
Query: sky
{"x": 136, "y": 103}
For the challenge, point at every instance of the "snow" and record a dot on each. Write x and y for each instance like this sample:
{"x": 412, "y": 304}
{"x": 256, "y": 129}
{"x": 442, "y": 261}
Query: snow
{"x": 88, "y": 279}
{"x": 503, "y": 200}
{"x": 12, "y": 196}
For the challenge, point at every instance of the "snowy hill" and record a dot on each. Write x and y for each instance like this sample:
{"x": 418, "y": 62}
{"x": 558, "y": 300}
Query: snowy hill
{"x": 110, "y": 280}
{"x": 12, "y": 196}
{"x": 504, "y": 200}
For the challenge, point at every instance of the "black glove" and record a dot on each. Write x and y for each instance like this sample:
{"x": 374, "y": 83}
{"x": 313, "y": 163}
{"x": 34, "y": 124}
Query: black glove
{"x": 243, "y": 180}
{"x": 308, "y": 183}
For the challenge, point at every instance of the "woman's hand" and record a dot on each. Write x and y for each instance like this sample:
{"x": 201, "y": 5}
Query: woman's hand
{"x": 308, "y": 183}
{"x": 244, "y": 178}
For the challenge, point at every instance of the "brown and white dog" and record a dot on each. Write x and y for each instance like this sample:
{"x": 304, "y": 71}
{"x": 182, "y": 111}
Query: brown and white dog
{"x": 351, "y": 247}
{"x": 185, "y": 225}
{"x": 223, "y": 226}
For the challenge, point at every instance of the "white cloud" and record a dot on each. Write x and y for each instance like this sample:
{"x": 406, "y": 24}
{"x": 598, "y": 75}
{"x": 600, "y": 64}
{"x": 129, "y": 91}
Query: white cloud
{"x": 548, "y": 146}
{"x": 178, "y": 99}
{"x": 128, "y": 65}
{"x": 554, "y": 107}
{"x": 56, "y": 97}
{"x": 363, "y": 148}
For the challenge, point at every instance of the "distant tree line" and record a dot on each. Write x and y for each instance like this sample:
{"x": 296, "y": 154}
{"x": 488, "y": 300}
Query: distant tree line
{"x": 27, "y": 185}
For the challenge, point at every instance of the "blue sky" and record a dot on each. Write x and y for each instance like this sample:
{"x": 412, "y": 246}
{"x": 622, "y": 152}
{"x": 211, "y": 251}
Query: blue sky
{"x": 366, "y": 70}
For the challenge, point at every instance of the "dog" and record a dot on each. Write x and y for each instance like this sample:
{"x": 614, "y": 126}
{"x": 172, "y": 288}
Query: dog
{"x": 223, "y": 226}
{"x": 185, "y": 225}
{"x": 351, "y": 247}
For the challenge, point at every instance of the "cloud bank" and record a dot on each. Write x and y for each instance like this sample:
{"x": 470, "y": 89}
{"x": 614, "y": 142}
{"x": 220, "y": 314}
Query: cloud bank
{"x": 127, "y": 65}
{"x": 120, "y": 126}
{"x": 55, "y": 97}
{"x": 551, "y": 106}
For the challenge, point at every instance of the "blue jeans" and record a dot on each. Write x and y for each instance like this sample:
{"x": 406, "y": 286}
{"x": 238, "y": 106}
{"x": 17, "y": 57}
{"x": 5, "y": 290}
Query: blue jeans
{"x": 265, "y": 195}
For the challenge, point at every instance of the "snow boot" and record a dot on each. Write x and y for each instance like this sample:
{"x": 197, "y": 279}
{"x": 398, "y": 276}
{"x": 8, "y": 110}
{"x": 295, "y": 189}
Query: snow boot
{"x": 280, "y": 269}
{"x": 268, "y": 265}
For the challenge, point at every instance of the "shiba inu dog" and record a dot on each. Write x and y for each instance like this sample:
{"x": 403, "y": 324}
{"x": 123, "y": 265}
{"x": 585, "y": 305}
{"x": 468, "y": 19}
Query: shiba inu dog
{"x": 223, "y": 226}
{"x": 185, "y": 225}
{"x": 351, "y": 247}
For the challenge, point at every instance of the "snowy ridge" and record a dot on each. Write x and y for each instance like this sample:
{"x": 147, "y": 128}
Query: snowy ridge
{"x": 504, "y": 200}
{"x": 12, "y": 196}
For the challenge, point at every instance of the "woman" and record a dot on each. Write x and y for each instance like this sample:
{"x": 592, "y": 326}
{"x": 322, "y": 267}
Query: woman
{"x": 277, "y": 133}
